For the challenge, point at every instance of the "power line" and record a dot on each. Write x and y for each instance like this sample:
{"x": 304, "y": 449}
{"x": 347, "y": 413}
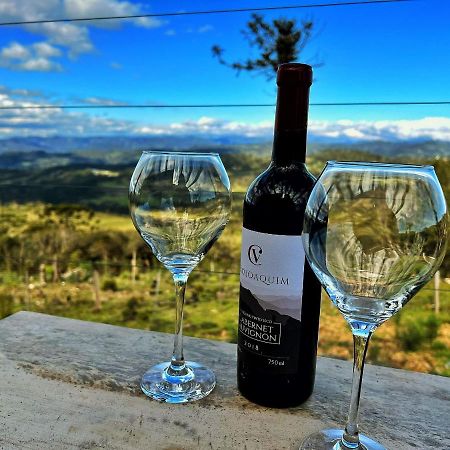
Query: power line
{"x": 395, "y": 103}
{"x": 224, "y": 105}
{"x": 146, "y": 268}
{"x": 66, "y": 186}
{"x": 215, "y": 11}
{"x": 127, "y": 264}
{"x": 96, "y": 188}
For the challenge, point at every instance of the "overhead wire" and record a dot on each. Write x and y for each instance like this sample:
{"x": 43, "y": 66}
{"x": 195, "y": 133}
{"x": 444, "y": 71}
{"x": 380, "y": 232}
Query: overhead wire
{"x": 211, "y": 11}
{"x": 225, "y": 105}
{"x": 215, "y": 11}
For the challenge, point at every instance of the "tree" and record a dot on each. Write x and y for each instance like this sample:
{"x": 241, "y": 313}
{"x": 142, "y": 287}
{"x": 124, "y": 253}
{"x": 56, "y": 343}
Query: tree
{"x": 54, "y": 229}
{"x": 280, "y": 42}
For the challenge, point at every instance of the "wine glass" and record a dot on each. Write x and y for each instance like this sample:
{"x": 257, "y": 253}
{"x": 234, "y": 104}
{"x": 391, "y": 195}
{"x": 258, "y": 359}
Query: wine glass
{"x": 179, "y": 203}
{"x": 374, "y": 234}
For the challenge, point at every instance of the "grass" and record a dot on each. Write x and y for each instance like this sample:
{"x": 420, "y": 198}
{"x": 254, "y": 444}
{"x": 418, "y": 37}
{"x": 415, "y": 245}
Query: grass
{"x": 114, "y": 222}
{"x": 211, "y": 312}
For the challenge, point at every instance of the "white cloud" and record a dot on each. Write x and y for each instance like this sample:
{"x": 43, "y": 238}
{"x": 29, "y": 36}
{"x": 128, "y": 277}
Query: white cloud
{"x": 437, "y": 128}
{"x": 45, "y": 50}
{"x": 210, "y": 126}
{"x": 116, "y": 65}
{"x": 205, "y": 29}
{"x": 201, "y": 29}
{"x": 104, "y": 8}
{"x": 20, "y": 93}
{"x": 47, "y": 122}
{"x": 74, "y": 37}
{"x": 32, "y": 58}
{"x": 428, "y": 127}
{"x": 102, "y": 101}
{"x": 170, "y": 32}
{"x": 15, "y": 51}
{"x": 38, "y": 65}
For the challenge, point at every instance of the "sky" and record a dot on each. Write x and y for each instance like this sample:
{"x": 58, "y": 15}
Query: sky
{"x": 385, "y": 52}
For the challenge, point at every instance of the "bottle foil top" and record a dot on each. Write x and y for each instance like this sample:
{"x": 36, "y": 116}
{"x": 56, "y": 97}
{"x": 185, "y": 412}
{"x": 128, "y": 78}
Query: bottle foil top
{"x": 294, "y": 74}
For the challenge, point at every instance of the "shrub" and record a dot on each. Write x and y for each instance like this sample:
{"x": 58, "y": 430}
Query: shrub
{"x": 110, "y": 285}
{"x": 130, "y": 311}
{"x": 374, "y": 352}
{"x": 233, "y": 333}
{"x": 6, "y": 305}
{"x": 431, "y": 325}
{"x": 439, "y": 346}
{"x": 414, "y": 332}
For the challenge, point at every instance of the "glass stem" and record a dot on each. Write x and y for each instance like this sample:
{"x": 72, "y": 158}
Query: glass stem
{"x": 177, "y": 365}
{"x": 350, "y": 439}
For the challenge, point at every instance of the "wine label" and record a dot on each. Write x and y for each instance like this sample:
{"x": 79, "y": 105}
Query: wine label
{"x": 271, "y": 277}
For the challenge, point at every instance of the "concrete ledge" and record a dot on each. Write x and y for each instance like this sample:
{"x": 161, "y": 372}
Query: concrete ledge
{"x": 68, "y": 384}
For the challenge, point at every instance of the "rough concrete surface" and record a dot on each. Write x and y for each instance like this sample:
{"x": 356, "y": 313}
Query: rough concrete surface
{"x": 68, "y": 384}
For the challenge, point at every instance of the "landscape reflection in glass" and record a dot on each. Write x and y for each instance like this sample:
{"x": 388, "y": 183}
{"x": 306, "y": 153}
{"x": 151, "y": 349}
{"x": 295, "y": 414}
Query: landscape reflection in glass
{"x": 374, "y": 234}
{"x": 180, "y": 203}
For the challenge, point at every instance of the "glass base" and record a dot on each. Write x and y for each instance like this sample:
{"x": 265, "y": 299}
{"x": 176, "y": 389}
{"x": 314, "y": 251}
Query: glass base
{"x": 195, "y": 383}
{"x": 331, "y": 440}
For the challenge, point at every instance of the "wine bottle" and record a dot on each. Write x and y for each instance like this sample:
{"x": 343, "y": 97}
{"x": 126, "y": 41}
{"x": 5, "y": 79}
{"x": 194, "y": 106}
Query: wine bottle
{"x": 279, "y": 300}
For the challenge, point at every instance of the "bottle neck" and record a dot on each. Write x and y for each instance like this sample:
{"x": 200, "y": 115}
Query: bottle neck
{"x": 291, "y": 123}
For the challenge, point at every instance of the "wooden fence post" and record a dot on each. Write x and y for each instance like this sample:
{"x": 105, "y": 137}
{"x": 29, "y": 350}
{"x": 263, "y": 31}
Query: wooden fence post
{"x": 27, "y": 289}
{"x": 42, "y": 274}
{"x": 55, "y": 269}
{"x": 96, "y": 285}
{"x": 437, "y": 282}
{"x": 133, "y": 266}
{"x": 158, "y": 282}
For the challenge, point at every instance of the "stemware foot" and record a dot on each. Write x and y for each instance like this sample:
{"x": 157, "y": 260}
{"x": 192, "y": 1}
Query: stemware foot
{"x": 331, "y": 440}
{"x": 198, "y": 383}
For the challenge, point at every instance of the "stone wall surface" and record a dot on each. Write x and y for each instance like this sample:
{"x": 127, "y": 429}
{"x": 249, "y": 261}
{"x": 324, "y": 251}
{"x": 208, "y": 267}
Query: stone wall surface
{"x": 68, "y": 384}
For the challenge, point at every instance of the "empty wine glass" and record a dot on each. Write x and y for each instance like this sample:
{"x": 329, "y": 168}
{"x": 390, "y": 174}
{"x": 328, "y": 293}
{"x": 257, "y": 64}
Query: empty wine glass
{"x": 179, "y": 202}
{"x": 374, "y": 234}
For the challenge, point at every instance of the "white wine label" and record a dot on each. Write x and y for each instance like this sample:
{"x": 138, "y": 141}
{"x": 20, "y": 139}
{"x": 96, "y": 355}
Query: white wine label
{"x": 270, "y": 300}
{"x": 272, "y": 268}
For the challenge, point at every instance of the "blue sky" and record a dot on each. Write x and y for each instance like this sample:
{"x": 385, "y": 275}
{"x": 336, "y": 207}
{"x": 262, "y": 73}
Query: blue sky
{"x": 386, "y": 52}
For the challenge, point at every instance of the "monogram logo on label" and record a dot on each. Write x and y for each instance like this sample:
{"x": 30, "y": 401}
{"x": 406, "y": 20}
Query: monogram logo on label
{"x": 254, "y": 254}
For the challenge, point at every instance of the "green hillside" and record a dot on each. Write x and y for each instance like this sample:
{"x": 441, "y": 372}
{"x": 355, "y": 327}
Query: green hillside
{"x": 68, "y": 248}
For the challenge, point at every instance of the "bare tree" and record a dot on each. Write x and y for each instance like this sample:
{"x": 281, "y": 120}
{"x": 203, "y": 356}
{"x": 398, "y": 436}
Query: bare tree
{"x": 279, "y": 42}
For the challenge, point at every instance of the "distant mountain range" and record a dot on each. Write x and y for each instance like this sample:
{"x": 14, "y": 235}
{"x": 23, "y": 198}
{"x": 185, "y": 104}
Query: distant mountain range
{"x": 20, "y": 153}
{"x": 68, "y": 144}
{"x": 398, "y": 149}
